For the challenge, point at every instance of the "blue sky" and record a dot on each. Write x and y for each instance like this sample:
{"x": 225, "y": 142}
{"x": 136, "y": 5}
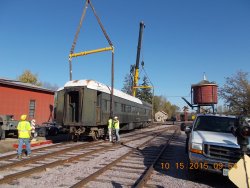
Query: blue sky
{"x": 182, "y": 40}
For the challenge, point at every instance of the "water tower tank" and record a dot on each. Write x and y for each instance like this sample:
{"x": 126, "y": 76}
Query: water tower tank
{"x": 204, "y": 93}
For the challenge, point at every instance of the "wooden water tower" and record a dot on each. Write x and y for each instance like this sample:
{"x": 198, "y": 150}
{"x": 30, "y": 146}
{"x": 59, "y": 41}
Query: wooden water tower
{"x": 204, "y": 93}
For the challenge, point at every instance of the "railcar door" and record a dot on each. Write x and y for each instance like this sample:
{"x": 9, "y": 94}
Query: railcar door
{"x": 98, "y": 107}
{"x": 72, "y": 106}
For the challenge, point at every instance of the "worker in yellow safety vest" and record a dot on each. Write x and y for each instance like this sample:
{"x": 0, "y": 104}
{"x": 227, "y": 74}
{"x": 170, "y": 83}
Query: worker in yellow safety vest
{"x": 24, "y": 135}
{"x": 110, "y": 127}
{"x": 117, "y": 128}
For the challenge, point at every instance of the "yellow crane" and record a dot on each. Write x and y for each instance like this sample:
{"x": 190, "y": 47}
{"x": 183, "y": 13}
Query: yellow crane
{"x": 136, "y": 69}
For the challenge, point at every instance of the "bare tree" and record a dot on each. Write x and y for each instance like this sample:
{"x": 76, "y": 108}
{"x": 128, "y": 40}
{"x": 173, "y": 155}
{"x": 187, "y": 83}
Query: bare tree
{"x": 50, "y": 86}
{"x": 236, "y": 93}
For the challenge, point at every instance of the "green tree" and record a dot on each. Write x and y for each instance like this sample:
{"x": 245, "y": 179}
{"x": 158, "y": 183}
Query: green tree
{"x": 145, "y": 94}
{"x": 236, "y": 93}
{"x": 128, "y": 84}
{"x": 160, "y": 103}
{"x": 174, "y": 110}
{"x": 28, "y": 77}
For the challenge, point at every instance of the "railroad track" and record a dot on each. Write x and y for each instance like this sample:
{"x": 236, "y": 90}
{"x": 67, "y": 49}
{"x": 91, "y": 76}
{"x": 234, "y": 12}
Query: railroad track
{"x": 136, "y": 172}
{"x": 67, "y": 144}
{"x": 69, "y": 154}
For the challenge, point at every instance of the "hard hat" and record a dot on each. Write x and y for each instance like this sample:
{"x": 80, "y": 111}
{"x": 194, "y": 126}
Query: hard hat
{"x": 193, "y": 117}
{"x": 23, "y": 117}
{"x": 115, "y": 117}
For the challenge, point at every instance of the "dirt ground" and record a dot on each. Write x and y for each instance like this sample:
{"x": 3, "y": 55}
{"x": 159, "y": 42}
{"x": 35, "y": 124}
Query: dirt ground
{"x": 7, "y": 145}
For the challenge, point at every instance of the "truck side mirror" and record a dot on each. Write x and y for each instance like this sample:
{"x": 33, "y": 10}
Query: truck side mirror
{"x": 242, "y": 132}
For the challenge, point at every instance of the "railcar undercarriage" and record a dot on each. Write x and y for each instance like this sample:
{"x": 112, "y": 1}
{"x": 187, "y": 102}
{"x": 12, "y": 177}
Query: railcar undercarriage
{"x": 95, "y": 132}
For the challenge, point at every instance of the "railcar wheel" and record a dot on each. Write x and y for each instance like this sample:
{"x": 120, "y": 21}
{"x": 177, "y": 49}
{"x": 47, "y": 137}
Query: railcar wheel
{"x": 75, "y": 138}
{"x": 95, "y": 135}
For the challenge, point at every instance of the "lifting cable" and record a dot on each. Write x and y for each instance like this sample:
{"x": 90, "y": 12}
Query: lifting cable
{"x": 111, "y": 47}
{"x": 79, "y": 28}
{"x": 75, "y": 38}
{"x": 100, "y": 24}
{"x": 72, "y": 54}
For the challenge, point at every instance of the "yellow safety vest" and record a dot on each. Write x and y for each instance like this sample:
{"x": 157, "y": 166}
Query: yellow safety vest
{"x": 23, "y": 128}
{"x": 116, "y": 124}
{"x": 110, "y": 124}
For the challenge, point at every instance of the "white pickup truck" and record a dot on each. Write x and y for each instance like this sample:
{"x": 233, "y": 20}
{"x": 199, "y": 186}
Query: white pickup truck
{"x": 211, "y": 144}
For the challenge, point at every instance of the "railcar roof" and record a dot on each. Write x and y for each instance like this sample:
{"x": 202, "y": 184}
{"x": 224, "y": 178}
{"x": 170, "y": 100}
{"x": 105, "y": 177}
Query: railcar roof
{"x": 92, "y": 84}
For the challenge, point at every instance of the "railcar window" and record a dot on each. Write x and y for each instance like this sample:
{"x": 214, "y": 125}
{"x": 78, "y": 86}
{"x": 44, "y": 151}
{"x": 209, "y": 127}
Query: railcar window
{"x": 117, "y": 106}
{"x": 123, "y": 107}
{"x": 150, "y": 112}
{"x": 141, "y": 111}
{"x": 128, "y": 108}
{"x": 133, "y": 109}
{"x": 138, "y": 111}
{"x": 32, "y": 107}
{"x": 105, "y": 105}
{"x": 98, "y": 102}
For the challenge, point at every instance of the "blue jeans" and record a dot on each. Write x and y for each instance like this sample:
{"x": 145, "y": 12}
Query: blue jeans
{"x": 22, "y": 141}
{"x": 117, "y": 135}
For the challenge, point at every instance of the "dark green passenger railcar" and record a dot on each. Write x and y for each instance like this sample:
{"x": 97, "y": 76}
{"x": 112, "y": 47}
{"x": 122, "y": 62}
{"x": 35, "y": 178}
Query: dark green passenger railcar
{"x": 83, "y": 107}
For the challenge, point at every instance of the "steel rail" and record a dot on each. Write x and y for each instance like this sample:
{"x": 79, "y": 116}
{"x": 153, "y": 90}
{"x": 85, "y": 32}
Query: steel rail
{"x": 34, "y": 150}
{"x": 107, "y": 167}
{"x": 36, "y": 158}
{"x": 58, "y": 145}
{"x": 26, "y": 173}
{"x": 9, "y": 178}
{"x": 146, "y": 175}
